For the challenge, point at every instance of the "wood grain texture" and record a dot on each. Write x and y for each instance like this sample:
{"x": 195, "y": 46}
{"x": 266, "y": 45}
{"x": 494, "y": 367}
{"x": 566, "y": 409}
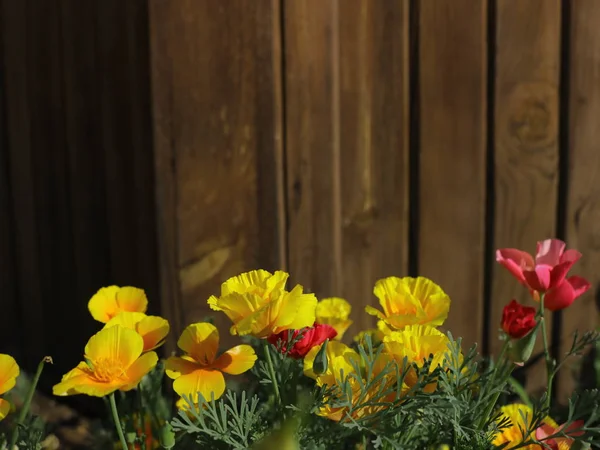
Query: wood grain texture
{"x": 452, "y": 124}
{"x": 583, "y": 201}
{"x": 215, "y": 103}
{"x": 374, "y": 140}
{"x": 312, "y": 82}
{"x": 14, "y": 21}
{"x": 526, "y": 145}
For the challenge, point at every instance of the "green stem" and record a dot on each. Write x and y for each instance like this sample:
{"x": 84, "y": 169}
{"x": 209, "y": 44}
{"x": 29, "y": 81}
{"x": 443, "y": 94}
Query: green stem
{"x": 548, "y": 357}
{"x": 25, "y": 410}
{"x": 117, "y": 421}
{"x": 141, "y": 412}
{"x": 272, "y": 372}
{"x": 490, "y": 407}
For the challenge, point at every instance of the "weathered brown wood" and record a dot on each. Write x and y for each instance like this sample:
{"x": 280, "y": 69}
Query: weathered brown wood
{"x": 526, "y": 146}
{"x": 15, "y": 63}
{"x": 312, "y": 80}
{"x": 583, "y": 201}
{"x": 374, "y": 94}
{"x": 215, "y": 103}
{"x": 452, "y": 124}
{"x": 122, "y": 43}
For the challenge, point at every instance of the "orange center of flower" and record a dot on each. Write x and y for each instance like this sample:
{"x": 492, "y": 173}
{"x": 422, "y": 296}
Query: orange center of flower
{"x": 108, "y": 369}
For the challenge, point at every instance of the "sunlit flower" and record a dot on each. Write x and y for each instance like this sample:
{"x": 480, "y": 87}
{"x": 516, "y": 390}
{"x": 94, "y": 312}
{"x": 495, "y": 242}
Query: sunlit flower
{"x": 9, "y": 371}
{"x": 310, "y": 338}
{"x": 416, "y": 343}
{"x": 113, "y": 361}
{"x": 410, "y": 301}
{"x": 335, "y": 312}
{"x": 153, "y": 329}
{"x": 550, "y": 427}
{"x": 342, "y": 365}
{"x": 110, "y": 301}
{"x": 258, "y": 304}
{"x": 200, "y": 371}
{"x": 376, "y": 334}
{"x": 513, "y": 434}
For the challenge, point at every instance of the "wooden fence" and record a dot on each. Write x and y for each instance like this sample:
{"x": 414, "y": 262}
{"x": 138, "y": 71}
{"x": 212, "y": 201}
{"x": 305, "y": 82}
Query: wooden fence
{"x": 341, "y": 140}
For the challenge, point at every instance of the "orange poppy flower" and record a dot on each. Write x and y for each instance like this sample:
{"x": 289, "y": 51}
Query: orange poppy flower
{"x": 9, "y": 371}
{"x": 152, "y": 329}
{"x": 110, "y": 301}
{"x": 114, "y": 361}
{"x": 199, "y": 371}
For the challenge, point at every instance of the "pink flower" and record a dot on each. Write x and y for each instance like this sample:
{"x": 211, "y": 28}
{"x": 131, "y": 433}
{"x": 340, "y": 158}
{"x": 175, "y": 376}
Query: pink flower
{"x": 311, "y": 337}
{"x": 548, "y": 270}
{"x": 561, "y": 296}
{"x": 546, "y": 429}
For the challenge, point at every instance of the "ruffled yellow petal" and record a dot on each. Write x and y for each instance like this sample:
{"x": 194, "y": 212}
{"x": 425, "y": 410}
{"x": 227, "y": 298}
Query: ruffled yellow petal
{"x": 4, "y": 408}
{"x": 177, "y": 366}
{"x": 302, "y": 308}
{"x": 154, "y": 330}
{"x": 236, "y": 360}
{"x": 334, "y": 312}
{"x": 139, "y": 369}
{"x": 200, "y": 341}
{"x": 132, "y": 299}
{"x": 255, "y": 281}
{"x": 103, "y": 305}
{"x": 9, "y": 371}
{"x": 204, "y": 382}
{"x": 116, "y": 344}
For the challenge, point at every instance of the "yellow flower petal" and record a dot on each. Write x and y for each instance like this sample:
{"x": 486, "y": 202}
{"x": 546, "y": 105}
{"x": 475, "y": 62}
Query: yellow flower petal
{"x": 303, "y": 307}
{"x": 110, "y": 301}
{"x": 116, "y": 344}
{"x": 9, "y": 371}
{"x": 237, "y": 360}
{"x": 139, "y": 369}
{"x": 177, "y": 366}
{"x": 200, "y": 341}
{"x": 4, "y": 408}
{"x": 335, "y": 312}
{"x": 152, "y": 329}
{"x": 65, "y": 387}
{"x": 205, "y": 382}
{"x": 410, "y": 301}
{"x": 512, "y": 434}
{"x": 339, "y": 357}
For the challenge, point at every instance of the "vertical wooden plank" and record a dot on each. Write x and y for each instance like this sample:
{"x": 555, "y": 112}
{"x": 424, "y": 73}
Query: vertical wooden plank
{"x": 87, "y": 193}
{"x": 452, "y": 124}
{"x": 213, "y": 83}
{"x": 313, "y": 144}
{"x": 526, "y": 146}
{"x": 15, "y": 65}
{"x": 124, "y": 111}
{"x": 373, "y": 47}
{"x": 583, "y": 201}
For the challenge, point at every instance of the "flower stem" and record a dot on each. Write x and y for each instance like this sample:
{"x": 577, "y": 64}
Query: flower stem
{"x": 548, "y": 357}
{"x": 272, "y": 372}
{"x": 115, "y": 414}
{"x": 496, "y": 396}
{"x": 25, "y": 409}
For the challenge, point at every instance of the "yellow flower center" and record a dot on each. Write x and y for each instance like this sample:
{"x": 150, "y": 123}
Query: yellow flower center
{"x": 107, "y": 370}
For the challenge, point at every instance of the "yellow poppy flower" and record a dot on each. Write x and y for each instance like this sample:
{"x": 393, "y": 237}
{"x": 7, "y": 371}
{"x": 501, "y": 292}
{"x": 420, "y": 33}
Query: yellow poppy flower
{"x": 335, "y": 312}
{"x": 9, "y": 371}
{"x": 258, "y": 305}
{"x": 513, "y": 434}
{"x": 114, "y": 361}
{"x": 410, "y": 301}
{"x": 110, "y": 301}
{"x": 199, "y": 370}
{"x": 152, "y": 329}
{"x": 417, "y": 343}
{"x": 339, "y": 364}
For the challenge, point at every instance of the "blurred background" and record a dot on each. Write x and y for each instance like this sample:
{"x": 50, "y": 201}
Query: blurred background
{"x": 171, "y": 144}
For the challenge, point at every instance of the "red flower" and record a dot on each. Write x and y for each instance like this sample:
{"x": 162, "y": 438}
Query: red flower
{"x": 561, "y": 296}
{"x": 546, "y": 429}
{"x": 518, "y": 320}
{"x": 311, "y": 337}
{"x": 547, "y": 271}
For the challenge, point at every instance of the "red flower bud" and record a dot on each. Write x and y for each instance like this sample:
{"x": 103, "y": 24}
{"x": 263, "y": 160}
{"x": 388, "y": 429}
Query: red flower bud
{"x": 311, "y": 337}
{"x": 518, "y": 320}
